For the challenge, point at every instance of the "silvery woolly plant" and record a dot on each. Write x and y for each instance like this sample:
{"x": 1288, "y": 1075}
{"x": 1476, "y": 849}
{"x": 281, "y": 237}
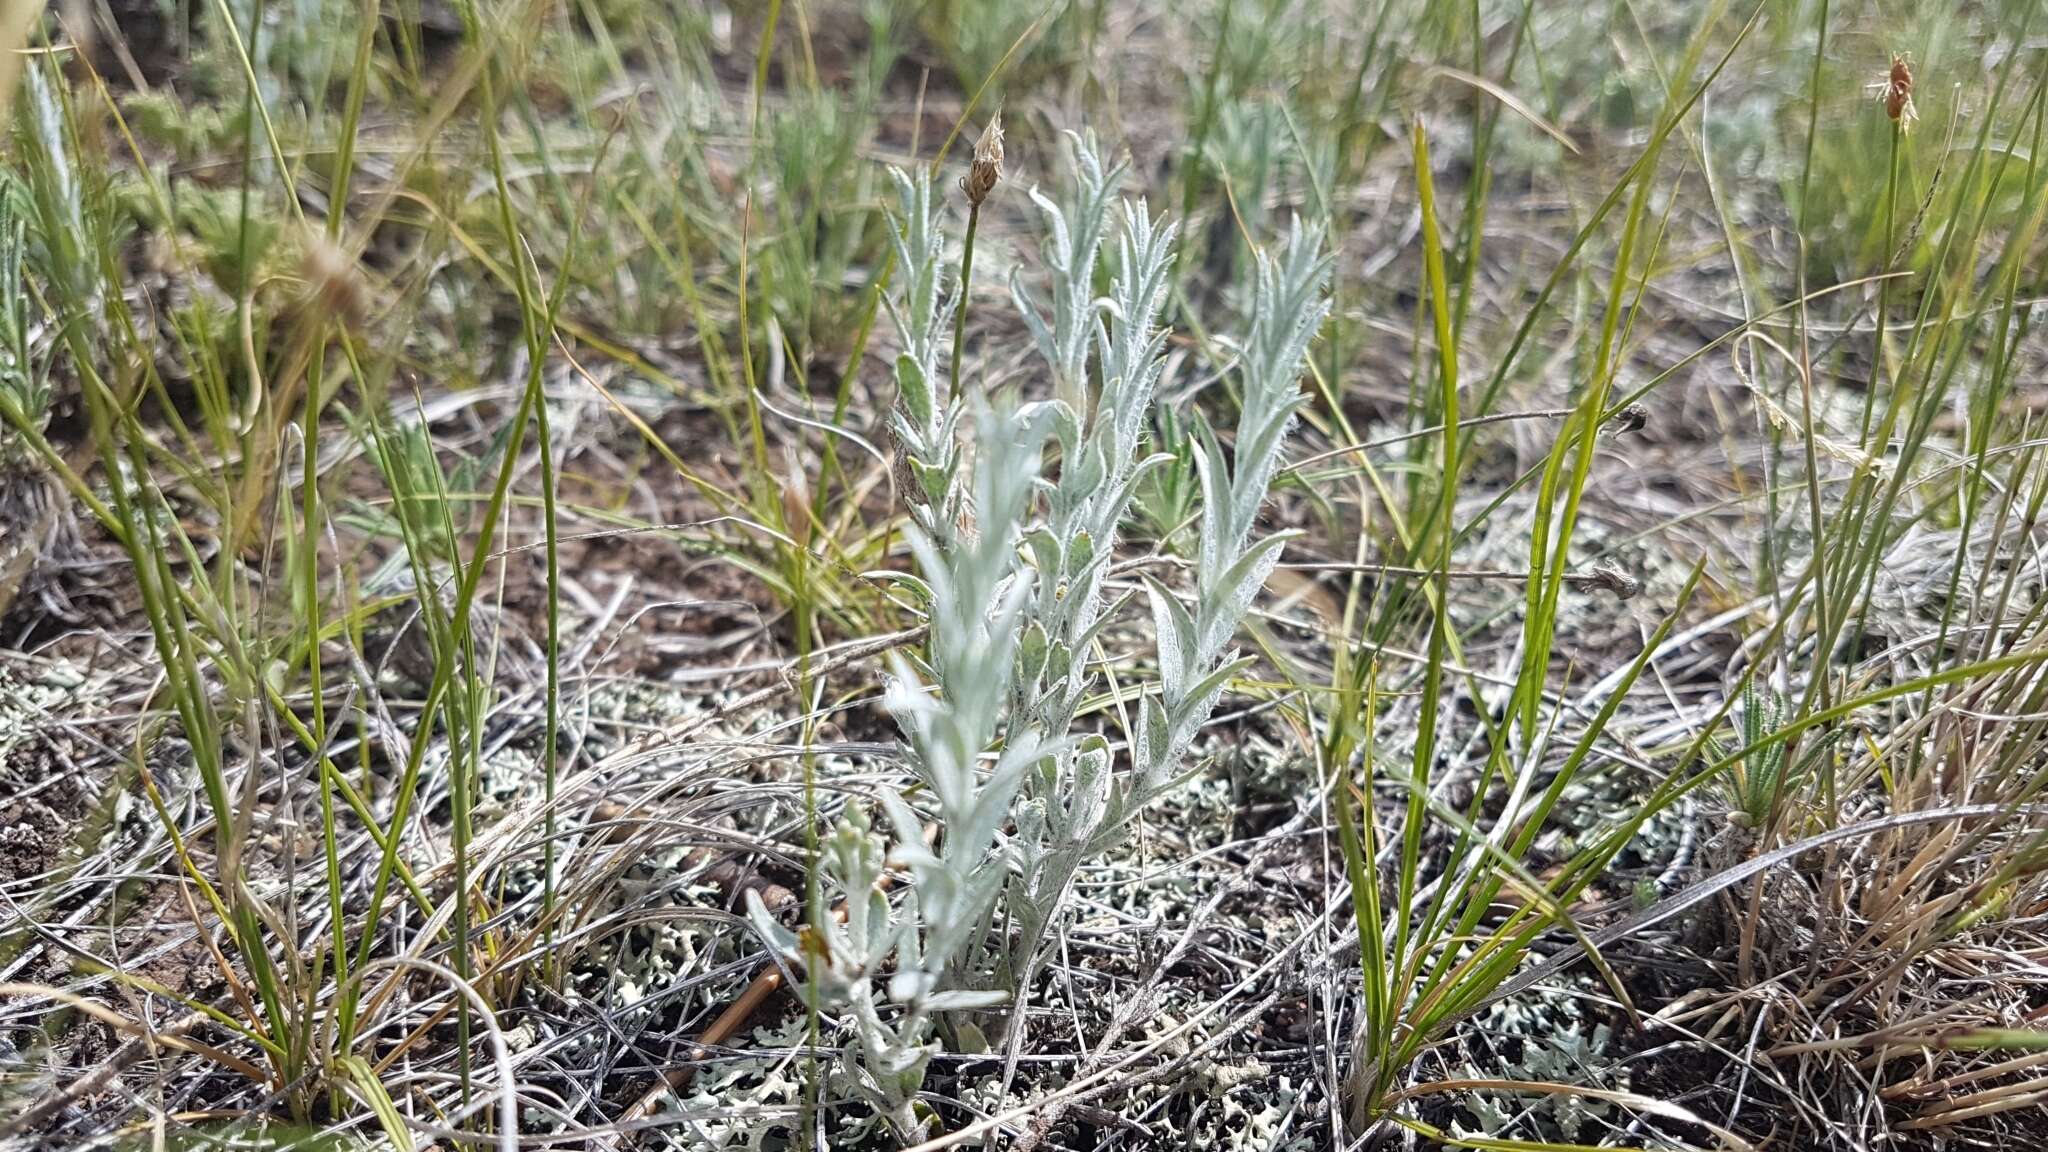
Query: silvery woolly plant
{"x": 950, "y": 711}
{"x": 1074, "y": 807}
{"x": 923, "y": 424}
{"x": 1014, "y": 610}
{"x": 1069, "y": 796}
{"x": 1287, "y": 307}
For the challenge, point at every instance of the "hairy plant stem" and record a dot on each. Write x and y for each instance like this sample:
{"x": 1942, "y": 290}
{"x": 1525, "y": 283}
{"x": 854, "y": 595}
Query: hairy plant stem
{"x": 960, "y": 313}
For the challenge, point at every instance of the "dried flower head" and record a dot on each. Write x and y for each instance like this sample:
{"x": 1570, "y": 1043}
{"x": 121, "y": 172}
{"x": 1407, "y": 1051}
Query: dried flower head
{"x": 796, "y": 498}
{"x": 334, "y": 284}
{"x": 987, "y": 168}
{"x": 1895, "y": 91}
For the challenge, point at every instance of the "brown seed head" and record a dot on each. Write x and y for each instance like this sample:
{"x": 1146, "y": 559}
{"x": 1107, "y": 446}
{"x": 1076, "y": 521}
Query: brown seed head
{"x": 796, "y": 498}
{"x": 987, "y": 168}
{"x": 1895, "y": 91}
{"x": 334, "y": 284}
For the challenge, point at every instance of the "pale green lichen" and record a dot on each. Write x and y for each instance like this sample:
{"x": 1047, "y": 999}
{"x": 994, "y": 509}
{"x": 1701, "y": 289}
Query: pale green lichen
{"x": 1558, "y": 1045}
{"x": 34, "y": 693}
